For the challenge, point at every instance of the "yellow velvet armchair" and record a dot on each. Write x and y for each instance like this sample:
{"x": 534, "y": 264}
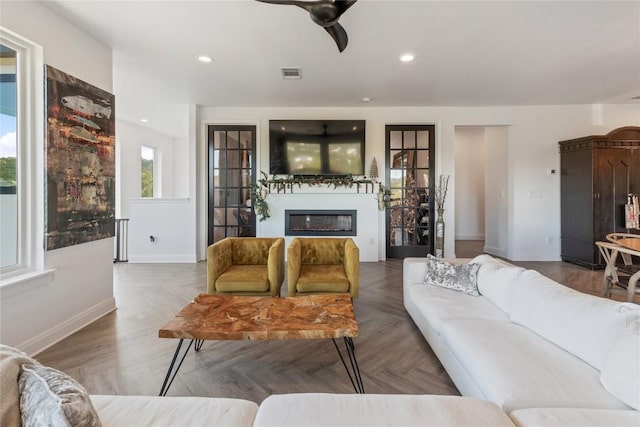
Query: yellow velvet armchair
{"x": 246, "y": 266}
{"x": 323, "y": 265}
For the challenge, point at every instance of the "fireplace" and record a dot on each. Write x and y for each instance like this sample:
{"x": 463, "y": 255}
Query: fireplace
{"x": 320, "y": 222}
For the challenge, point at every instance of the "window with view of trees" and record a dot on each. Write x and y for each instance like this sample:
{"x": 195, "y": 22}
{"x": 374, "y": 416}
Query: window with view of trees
{"x": 147, "y": 171}
{"x": 9, "y": 255}
{"x": 21, "y": 157}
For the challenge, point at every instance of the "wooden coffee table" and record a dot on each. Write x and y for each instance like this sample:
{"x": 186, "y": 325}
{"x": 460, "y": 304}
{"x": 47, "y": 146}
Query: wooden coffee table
{"x": 221, "y": 317}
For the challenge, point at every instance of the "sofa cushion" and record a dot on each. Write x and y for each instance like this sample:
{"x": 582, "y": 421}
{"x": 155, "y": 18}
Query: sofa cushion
{"x": 516, "y": 368}
{"x": 585, "y": 325}
{"x": 322, "y": 251}
{"x": 243, "y": 278}
{"x": 322, "y": 278}
{"x": 326, "y": 410}
{"x": 11, "y": 360}
{"x": 457, "y": 277}
{"x": 575, "y": 417}
{"x": 251, "y": 251}
{"x": 143, "y": 411}
{"x": 439, "y": 305}
{"x": 621, "y": 372}
{"x": 497, "y": 280}
{"x": 51, "y": 397}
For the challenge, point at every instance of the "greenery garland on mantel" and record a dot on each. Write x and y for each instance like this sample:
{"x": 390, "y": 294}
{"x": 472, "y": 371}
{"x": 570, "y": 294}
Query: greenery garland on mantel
{"x": 282, "y": 184}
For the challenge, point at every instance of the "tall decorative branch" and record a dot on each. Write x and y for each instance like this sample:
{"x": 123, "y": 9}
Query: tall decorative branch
{"x": 441, "y": 191}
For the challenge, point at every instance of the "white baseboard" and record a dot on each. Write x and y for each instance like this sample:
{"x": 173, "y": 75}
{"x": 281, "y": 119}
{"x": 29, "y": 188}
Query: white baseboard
{"x": 159, "y": 258}
{"x": 470, "y": 237}
{"x": 46, "y": 339}
{"x": 495, "y": 251}
{"x": 535, "y": 257}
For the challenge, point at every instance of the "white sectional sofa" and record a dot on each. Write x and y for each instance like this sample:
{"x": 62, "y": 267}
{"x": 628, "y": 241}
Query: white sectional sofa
{"x": 526, "y": 352}
{"x": 544, "y": 353}
{"x": 65, "y": 400}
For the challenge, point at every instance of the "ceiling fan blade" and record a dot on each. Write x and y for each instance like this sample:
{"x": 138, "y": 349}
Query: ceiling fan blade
{"x": 343, "y": 5}
{"x": 324, "y": 13}
{"x": 339, "y": 35}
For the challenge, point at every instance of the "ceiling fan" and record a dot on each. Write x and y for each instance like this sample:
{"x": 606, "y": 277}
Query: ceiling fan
{"x": 324, "y": 13}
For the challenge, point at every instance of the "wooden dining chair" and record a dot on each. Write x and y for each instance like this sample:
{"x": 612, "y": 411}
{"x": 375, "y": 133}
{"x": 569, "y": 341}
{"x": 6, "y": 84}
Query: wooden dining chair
{"x": 619, "y": 277}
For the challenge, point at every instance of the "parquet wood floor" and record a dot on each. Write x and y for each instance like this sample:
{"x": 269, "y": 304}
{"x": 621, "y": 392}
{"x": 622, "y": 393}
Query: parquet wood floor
{"x": 122, "y": 354}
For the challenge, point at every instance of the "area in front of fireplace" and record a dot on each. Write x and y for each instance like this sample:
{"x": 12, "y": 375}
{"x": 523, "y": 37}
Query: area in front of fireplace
{"x": 320, "y": 222}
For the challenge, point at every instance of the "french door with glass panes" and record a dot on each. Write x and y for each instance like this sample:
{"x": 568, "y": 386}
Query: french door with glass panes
{"x": 410, "y": 178}
{"x": 231, "y": 173}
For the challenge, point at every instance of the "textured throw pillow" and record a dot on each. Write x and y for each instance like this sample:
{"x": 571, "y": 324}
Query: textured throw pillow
{"x": 49, "y": 397}
{"x": 458, "y": 277}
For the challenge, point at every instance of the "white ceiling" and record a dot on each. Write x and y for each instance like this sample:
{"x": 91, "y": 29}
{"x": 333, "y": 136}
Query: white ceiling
{"x": 467, "y": 53}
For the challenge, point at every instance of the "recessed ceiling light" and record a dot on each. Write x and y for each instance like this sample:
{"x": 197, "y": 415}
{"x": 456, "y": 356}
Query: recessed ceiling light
{"x": 205, "y": 59}
{"x": 144, "y": 120}
{"x": 366, "y": 99}
{"x": 407, "y": 57}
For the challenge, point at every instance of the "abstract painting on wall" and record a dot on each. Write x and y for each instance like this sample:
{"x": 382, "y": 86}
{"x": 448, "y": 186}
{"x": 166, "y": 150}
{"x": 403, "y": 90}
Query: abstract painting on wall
{"x": 80, "y": 161}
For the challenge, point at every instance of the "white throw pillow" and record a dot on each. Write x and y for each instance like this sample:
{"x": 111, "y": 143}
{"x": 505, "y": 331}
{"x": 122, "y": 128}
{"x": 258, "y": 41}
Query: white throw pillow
{"x": 457, "y": 277}
{"x": 621, "y": 372}
{"x": 497, "y": 281}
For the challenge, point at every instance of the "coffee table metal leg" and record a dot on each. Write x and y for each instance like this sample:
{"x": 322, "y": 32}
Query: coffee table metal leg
{"x": 198, "y": 345}
{"x": 356, "y": 378}
{"x": 171, "y": 374}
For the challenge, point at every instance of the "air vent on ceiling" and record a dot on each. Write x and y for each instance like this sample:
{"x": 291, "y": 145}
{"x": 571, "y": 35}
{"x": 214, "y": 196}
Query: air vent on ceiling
{"x": 291, "y": 73}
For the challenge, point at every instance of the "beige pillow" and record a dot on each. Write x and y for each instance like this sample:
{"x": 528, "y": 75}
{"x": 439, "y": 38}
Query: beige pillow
{"x": 11, "y": 359}
{"x": 50, "y": 397}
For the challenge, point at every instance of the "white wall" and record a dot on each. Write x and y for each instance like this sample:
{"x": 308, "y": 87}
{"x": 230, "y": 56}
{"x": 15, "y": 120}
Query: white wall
{"x": 170, "y": 222}
{"x": 469, "y": 183}
{"x": 37, "y": 313}
{"x": 496, "y": 190}
{"x": 170, "y": 215}
{"x": 534, "y": 132}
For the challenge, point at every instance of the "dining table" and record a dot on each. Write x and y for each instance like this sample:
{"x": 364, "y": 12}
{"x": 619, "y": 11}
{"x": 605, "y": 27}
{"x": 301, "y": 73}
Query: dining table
{"x": 632, "y": 243}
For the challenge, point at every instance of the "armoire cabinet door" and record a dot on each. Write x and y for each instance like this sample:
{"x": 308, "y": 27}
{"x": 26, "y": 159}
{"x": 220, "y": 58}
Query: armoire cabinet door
{"x": 577, "y": 206}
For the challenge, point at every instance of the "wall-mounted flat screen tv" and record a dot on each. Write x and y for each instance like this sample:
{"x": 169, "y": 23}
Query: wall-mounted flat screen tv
{"x": 316, "y": 147}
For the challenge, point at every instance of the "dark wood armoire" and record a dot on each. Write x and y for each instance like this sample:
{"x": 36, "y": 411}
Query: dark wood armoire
{"x": 597, "y": 174}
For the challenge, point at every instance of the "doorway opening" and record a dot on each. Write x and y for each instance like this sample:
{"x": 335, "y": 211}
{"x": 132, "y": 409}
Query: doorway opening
{"x": 481, "y": 191}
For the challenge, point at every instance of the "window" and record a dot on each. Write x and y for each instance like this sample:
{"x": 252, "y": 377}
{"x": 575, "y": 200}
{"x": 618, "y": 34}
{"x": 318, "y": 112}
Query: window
{"x": 21, "y": 156}
{"x": 8, "y": 153}
{"x": 147, "y": 170}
